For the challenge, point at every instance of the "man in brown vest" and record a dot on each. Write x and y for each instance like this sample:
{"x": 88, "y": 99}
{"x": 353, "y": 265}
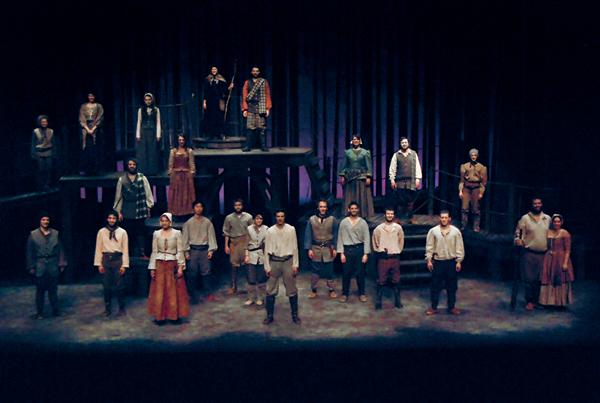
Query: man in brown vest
{"x": 405, "y": 178}
{"x": 473, "y": 178}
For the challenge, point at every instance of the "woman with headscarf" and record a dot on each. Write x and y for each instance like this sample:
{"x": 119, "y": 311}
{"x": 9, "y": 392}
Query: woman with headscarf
{"x": 355, "y": 176}
{"x": 147, "y": 136}
{"x": 42, "y": 151}
{"x": 168, "y": 298}
{"x": 557, "y": 272}
{"x": 181, "y": 173}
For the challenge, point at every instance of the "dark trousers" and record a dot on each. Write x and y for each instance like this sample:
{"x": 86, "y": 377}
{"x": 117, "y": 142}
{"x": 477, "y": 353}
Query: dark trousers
{"x": 135, "y": 231}
{"x": 354, "y": 267}
{"x": 44, "y": 175}
{"x": 444, "y": 275}
{"x": 91, "y": 155}
{"x": 531, "y": 265}
{"x": 45, "y": 283}
{"x": 405, "y": 198}
{"x": 112, "y": 281}
{"x": 199, "y": 264}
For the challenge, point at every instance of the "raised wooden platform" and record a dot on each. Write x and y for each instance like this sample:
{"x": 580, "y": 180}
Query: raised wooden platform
{"x": 224, "y": 143}
{"x": 275, "y": 157}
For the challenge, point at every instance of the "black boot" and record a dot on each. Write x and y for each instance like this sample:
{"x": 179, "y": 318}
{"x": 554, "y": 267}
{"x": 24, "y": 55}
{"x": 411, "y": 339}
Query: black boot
{"x": 378, "y": 297}
{"x": 122, "y": 311}
{"x": 270, "y": 306}
{"x": 397, "y": 301}
{"x": 263, "y": 139}
{"x": 248, "y": 145}
{"x": 107, "y": 309}
{"x": 294, "y": 306}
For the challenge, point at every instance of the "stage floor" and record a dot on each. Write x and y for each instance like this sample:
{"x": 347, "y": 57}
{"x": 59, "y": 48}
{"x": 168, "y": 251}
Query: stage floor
{"x": 226, "y": 325}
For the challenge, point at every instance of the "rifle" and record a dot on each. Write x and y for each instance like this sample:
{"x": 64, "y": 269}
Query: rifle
{"x": 516, "y": 275}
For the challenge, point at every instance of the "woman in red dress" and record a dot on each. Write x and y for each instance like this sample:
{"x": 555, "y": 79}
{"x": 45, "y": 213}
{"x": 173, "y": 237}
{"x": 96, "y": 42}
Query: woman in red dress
{"x": 182, "y": 169}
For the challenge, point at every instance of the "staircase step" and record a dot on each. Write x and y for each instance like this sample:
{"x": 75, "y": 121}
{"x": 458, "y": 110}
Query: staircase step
{"x": 415, "y": 237}
{"x": 425, "y": 275}
{"x": 412, "y": 262}
{"x": 414, "y": 249}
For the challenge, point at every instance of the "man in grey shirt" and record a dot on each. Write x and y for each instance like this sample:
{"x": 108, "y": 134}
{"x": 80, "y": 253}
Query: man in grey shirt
{"x": 444, "y": 253}
{"x": 354, "y": 246}
{"x": 235, "y": 231}
{"x": 199, "y": 243}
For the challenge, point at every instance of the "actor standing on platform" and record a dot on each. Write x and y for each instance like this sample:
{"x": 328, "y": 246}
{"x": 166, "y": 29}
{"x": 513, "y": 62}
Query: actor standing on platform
{"x": 281, "y": 260}
{"x": 133, "y": 201}
{"x": 43, "y": 152}
{"x": 256, "y": 106}
{"x": 214, "y": 93}
{"x": 473, "y": 178}
{"x": 45, "y": 260}
{"x": 182, "y": 169}
{"x": 444, "y": 253}
{"x": 168, "y": 298}
{"x": 355, "y": 177}
{"x": 354, "y": 246}
{"x": 557, "y": 273}
{"x": 199, "y": 243}
{"x": 388, "y": 242}
{"x": 112, "y": 260}
{"x": 91, "y": 117}
{"x": 147, "y": 136}
{"x": 532, "y": 235}
{"x": 320, "y": 239}
{"x": 405, "y": 177}
{"x": 235, "y": 231}
{"x": 255, "y": 258}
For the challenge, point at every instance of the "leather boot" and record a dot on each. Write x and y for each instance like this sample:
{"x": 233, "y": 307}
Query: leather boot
{"x": 248, "y": 145}
{"x": 270, "y": 306}
{"x": 263, "y": 139}
{"x": 294, "y": 306}
{"x": 378, "y": 297}
{"x": 397, "y": 301}
{"x": 107, "y": 309}
{"x": 464, "y": 219}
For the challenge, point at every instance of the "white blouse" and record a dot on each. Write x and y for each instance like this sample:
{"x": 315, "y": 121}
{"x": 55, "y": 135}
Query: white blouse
{"x": 167, "y": 248}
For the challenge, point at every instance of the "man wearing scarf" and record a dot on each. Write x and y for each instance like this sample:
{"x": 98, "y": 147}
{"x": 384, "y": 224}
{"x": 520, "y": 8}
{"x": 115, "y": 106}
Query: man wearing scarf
{"x": 42, "y": 151}
{"x": 473, "y": 178}
{"x": 133, "y": 201}
{"x": 147, "y": 135}
{"x": 256, "y": 107}
{"x": 112, "y": 260}
{"x": 320, "y": 239}
{"x": 214, "y": 93}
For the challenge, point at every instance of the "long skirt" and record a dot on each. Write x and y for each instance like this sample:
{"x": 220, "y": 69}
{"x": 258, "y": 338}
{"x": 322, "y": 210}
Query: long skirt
{"x": 560, "y": 295}
{"x": 358, "y": 191}
{"x": 181, "y": 193}
{"x": 147, "y": 153}
{"x": 168, "y": 298}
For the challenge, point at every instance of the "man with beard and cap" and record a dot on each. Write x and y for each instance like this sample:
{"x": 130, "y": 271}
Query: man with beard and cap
{"x": 281, "y": 260}
{"x": 444, "y": 253}
{"x": 43, "y": 152}
{"x": 355, "y": 177}
{"x": 112, "y": 260}
{"x": 531, "y": 235}
{"x": 405, "y": 178}
{"x": 256, "y": 107}
{"x": 473, "y": 178}
{"x": 354, "y": 246}
{"x": 133, "y": 201}
{"x": 91, "y": 118}
{"x": 214, "y": 92}
{"x": 388, "y": 242}
{"x": 235, "y": 231}
{"x": 148, "y": 133}
{"x": 45, "y": 260}
{"x": 320, "y": 239}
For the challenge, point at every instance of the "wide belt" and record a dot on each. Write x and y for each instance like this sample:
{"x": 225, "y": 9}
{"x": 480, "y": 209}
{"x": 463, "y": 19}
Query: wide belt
{"x": 322, "y": 244}
{"x": 199, "y": 247}
{"x": 254, "y": 249}
{"x": 280, "y": 258}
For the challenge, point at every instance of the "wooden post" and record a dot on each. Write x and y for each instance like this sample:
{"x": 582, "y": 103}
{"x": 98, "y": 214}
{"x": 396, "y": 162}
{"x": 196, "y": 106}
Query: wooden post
{"x": 512, "y": 190}
{"x": 430, "y": 190}
{"x": 67, "y": 230}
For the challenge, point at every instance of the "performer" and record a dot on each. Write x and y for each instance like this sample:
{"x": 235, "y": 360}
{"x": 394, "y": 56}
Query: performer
{"x": 256, "y": 106}
{"x": 355, "y": 176}
{"x": 91, "y": 117}
{"x": 45, "y": 260}
{"x": 354, "y": 246}
{"x": 557, "y": 272}
{"x": 133, "y": 201}
{"x": 168, "y": 298}
{"x": 444, "y": 253}
{"x": 182, "y": 169}
{"x": 254, "y": 260}
{"x": 215, "y": 91}
{"x": 281, "y": 260}
{"x": 112, "y": 259}
{"x": 235, "y": 231}
{"x": 147, "y": 136}
{"x": 320, "y": 239}
{"x": 405, "y": 178}
{"x": 473, "y": 178}
{"x": 388, "y": 242}
{"x": 200, "y": 244}
{"x": 43, "y": 152}
{"x": 532, "y": 235}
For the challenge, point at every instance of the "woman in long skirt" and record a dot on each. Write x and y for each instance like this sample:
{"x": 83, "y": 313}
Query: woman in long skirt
{"x": 168, "y": 299}
{"x": 148, "y": 133}
{"x": 181, "y": 173}
{"x": 356, "y": 176}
